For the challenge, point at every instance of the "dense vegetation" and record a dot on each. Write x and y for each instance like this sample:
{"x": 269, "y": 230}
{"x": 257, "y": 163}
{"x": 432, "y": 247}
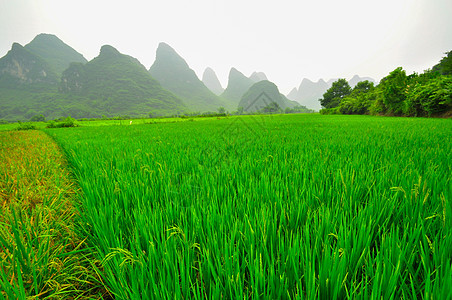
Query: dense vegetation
{"x": 55, "y": 52}
{"x": 398, "y": 94}
{"x": 288, "y": 206}
{"x": 118, "y": 84}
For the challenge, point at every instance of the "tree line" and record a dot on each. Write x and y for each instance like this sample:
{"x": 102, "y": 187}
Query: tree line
{"x": 398, "y": 94}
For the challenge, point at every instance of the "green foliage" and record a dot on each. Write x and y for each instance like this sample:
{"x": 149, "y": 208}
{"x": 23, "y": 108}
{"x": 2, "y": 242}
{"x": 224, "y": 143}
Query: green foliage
{"x": 26, "y": 126}
{"x": 431, "y": 97}
{"x": 272, "y": 107}
{"x": 445, "y": 65}
{"x": 427, "y": 94}
{"x": 221, "y": 110}
{"x": 55, "y": 52}
{"x": 330, "y": 111}
{"x": 298, "y": 109}
{"x": 38, "y": 118}
{"x": 359, "y": 100}
{"x": 334, "y": 95}
{"x": 394, "y": 90}
{"x": 67, "y": 122}
{"x": 288, "y": 206}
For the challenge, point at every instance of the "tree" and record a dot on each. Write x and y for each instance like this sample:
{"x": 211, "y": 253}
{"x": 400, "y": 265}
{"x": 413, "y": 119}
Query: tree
{"x": 394, "y": 91}
{"x": 221, "y": 110}
{"x": 362, "y": 87}
{"x": 271, "y": 108}
{"x": 38, "y": 118}
{"x": 333, "y": 96}
{"x": 429, "y": 98}
{"x": 445, "y": 65}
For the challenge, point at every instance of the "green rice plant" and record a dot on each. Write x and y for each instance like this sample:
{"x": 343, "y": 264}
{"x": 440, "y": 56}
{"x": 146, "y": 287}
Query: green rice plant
{"x": 273, "y": 207}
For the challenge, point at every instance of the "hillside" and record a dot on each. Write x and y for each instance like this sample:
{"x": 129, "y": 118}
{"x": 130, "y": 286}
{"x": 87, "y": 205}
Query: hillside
{"x": 55, "y": 52}
{"x": 261, "y": 95}
{"x": 210, "y": 80}
{"x": 174, "y": 74}
{"x": 238, "y": 84}
{"x": 22, "y": 69}
{"x": 118, "y": 84}
{"x": 258, "y": 76}
{"x": 110, "y": 85}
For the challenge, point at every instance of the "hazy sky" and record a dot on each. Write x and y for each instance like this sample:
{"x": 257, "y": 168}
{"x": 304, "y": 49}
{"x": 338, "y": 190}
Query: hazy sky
{"x": 288, "y": 40}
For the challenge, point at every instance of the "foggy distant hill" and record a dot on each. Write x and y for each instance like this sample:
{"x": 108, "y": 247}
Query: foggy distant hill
{"x": 355, "y": 79}
{"x": 258, "y": 76}
{"x": 112, "y": 84}
{"x": 238, "y": 84}
{"x": 120, "y": 84}
{"x": 23, "y": 69}
{"x": 54, "y": 51}
{"x": 47, "y": 76}
{"x": 261, "y": 94}
{"x": 309, "y": 92}
{"x": 210, "y": 80}
{"x": 174, "y": 74}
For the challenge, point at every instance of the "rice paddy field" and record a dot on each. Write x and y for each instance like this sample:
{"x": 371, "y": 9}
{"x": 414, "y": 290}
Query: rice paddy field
{"x": 267, "y": 207}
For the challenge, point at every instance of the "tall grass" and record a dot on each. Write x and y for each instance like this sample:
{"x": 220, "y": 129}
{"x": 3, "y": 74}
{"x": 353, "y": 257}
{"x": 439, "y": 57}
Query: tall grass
{"x": 42, "y": 254}
{"x": 292, "y": 206}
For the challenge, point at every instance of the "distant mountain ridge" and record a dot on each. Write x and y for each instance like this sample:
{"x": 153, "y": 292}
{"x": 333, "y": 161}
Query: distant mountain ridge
{"x": 262, "y": 94}
{"x": 174, "y": 74}
{"x": 238, "y": 84}
{"x": 309, "y": 92}
{"x": 55, "y": 52}
{"x": 20, "y": 67}
{"x": 258, "y": 76}
{"x": 210, "y": 80}
{"x": 112, "y": 84}
{"x": 47, "y": 76}
{"x": 120, "y": 84}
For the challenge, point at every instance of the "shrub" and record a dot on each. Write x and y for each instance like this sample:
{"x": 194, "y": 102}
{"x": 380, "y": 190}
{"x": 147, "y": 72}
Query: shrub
{"x": 432, "y": 97}
{"x": 38, "y": 118}
{"x": 25, "y": 126}
{"x": 68, "y": 122}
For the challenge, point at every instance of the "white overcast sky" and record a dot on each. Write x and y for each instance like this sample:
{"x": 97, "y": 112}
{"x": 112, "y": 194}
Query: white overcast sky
{"x": 287, "y": 39}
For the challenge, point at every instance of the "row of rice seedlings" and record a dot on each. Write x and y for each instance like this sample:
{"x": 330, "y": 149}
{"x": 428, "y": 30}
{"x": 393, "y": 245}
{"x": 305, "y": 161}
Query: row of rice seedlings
{"x": 286, "y": 207}
{"x": 42, "y": 256}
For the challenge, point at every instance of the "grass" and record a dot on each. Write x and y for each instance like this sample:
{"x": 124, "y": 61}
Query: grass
{"x": 290, "y": 206}
{"x": 42, "y": 254}
{"x": 101, "y": 122}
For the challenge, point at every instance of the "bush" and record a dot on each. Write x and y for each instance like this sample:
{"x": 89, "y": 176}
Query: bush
{"x": 68, "y": 122}
{"x": 25, "y": 126}
{"x": 432, "y": 97}
{"x": 38, "y": 118}
{"x": 330, "y": 111}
